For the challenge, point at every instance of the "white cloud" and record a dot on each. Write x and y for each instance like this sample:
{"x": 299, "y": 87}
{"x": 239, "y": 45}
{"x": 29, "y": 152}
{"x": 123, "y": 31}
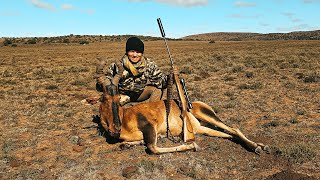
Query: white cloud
{"x": 292, "y": 17}
{"x": 185, "y": 3}
{"x": 288, "y": 14}
{"x": 67, "y": 6}
{"x": 244, "y": 4}
{"x": 310, "y": 1}
{"x": 241, "y": 16}
{"x": 42, "y": 5}
{"x": 71, "y": 7}
{"x": 300, "y": 27}
{"x": 296, "y": 20}
{"x": 264, "y": 24}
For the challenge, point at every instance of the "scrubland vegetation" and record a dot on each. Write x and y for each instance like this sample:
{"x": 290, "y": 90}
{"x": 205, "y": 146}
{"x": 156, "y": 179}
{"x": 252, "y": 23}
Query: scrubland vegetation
{"x": 268, "y": 89}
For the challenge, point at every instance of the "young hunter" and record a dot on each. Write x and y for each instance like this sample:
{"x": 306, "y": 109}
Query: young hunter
{"x": 141, "y": 79}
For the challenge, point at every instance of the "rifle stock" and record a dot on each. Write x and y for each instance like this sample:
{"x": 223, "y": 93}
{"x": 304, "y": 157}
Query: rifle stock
{"x": 188, "y": 134}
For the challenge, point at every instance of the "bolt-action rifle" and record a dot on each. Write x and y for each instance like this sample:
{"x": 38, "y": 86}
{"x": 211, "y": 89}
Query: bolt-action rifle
{"x": 183, "y": 95}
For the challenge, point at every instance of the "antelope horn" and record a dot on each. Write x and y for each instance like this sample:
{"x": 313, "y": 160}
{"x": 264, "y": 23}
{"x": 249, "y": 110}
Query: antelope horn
{"x": 100, "y": 65}
{"x": 116, "y": 78}
{"x": 99, "y": 71}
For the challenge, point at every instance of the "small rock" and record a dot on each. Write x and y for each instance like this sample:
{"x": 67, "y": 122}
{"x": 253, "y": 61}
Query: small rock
{"x": 125, "y": 146}
{"x": 130, "y": 171}
{"x": 78, "y": 148}
{"x": 75, "y": 139}
{"x": 14, "y": 163}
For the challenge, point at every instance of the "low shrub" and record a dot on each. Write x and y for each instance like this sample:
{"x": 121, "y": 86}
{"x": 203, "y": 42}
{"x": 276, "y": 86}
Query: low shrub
{"x": 52, "y": 87}
{"x": 66, "y": 40}
{"x": 7, "y": 42}
{"x": 84, "y": 42}
{"x": 32, "y": 41}
{"x": 249, "y": 74}
{"x": 257, "y": 85}
{"x": 312, "y": 79}
{"x": 296, "y": 153}
{"x": 79, "y": 83}
{"x": 271, "y": 124}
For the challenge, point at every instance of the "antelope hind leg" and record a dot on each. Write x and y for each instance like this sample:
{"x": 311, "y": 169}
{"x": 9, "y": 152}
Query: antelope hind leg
{"x": 205, "y": 113}
{"x": 214, "y": 133}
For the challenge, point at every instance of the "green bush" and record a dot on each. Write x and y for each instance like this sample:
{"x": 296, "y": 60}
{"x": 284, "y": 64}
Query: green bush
{"x": 84, "y": 42}
{"x": 32, "y": 41}
{"x": 66, "y": 40}
{"x": 7, "y": 42}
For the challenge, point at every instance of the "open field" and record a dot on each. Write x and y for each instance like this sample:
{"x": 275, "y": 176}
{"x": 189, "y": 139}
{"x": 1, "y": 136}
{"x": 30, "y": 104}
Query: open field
{"x": 268, "y": 89}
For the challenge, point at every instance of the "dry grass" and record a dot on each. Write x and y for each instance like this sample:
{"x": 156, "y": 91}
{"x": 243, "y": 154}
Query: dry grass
{"x": 268, "y": 89}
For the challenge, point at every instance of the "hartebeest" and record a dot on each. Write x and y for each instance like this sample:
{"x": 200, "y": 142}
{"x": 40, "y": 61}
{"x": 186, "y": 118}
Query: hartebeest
{"x": 146, "y": 121}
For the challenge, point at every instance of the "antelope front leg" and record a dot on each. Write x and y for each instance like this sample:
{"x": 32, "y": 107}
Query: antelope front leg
{"x": 157, "y": 150}
{"x": 127, "y": 145}
{"x": 132, "y": 143}
{"x": 150, "y": 138}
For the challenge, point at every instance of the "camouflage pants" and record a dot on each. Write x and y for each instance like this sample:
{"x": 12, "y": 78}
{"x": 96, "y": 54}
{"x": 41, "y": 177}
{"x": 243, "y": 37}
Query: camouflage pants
{"x": 149, "y": 93}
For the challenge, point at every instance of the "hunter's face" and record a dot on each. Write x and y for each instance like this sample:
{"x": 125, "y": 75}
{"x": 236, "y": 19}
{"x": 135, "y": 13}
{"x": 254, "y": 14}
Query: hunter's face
{"x": 134, "y": 56}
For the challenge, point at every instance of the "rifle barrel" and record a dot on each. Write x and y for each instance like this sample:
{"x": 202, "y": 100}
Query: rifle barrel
{"x": 165, "y": 40}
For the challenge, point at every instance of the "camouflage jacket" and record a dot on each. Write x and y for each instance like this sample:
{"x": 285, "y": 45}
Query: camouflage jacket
{"x": 149, "y": 74}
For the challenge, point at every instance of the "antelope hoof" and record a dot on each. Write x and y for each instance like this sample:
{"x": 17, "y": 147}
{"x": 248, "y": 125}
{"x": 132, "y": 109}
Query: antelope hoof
{"x": 267, "y": 149}
{"x": 258, "y": 150}
{"x": 196, "y": 147}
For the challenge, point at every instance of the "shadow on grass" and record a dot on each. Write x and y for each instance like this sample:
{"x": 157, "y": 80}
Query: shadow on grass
{"x": 103, "y": 132}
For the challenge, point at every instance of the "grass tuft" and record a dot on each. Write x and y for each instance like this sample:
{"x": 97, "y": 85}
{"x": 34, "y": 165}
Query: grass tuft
{"x": 271, "y": 124}
{"x": 296, "y": 153}
{"x": 52, "y": 87}
{"x": 257, "y": 85}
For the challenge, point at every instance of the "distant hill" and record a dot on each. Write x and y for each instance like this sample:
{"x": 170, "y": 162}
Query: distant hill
{"x": 218, "y": 36}
{"x": 82, "y": 39}
{"x": 237, "y": 36}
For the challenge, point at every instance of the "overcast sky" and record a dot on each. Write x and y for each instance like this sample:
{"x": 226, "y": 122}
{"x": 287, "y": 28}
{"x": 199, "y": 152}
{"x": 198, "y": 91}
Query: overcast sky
{"x": 20, "y": 18}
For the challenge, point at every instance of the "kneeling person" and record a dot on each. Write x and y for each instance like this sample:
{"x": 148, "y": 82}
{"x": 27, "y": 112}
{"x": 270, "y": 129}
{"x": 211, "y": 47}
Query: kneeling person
{"x": 141, "y": 79}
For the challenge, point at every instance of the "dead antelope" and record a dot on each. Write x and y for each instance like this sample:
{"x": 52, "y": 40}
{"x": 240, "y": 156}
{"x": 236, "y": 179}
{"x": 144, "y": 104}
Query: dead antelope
{"x": 146, "y": 121}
